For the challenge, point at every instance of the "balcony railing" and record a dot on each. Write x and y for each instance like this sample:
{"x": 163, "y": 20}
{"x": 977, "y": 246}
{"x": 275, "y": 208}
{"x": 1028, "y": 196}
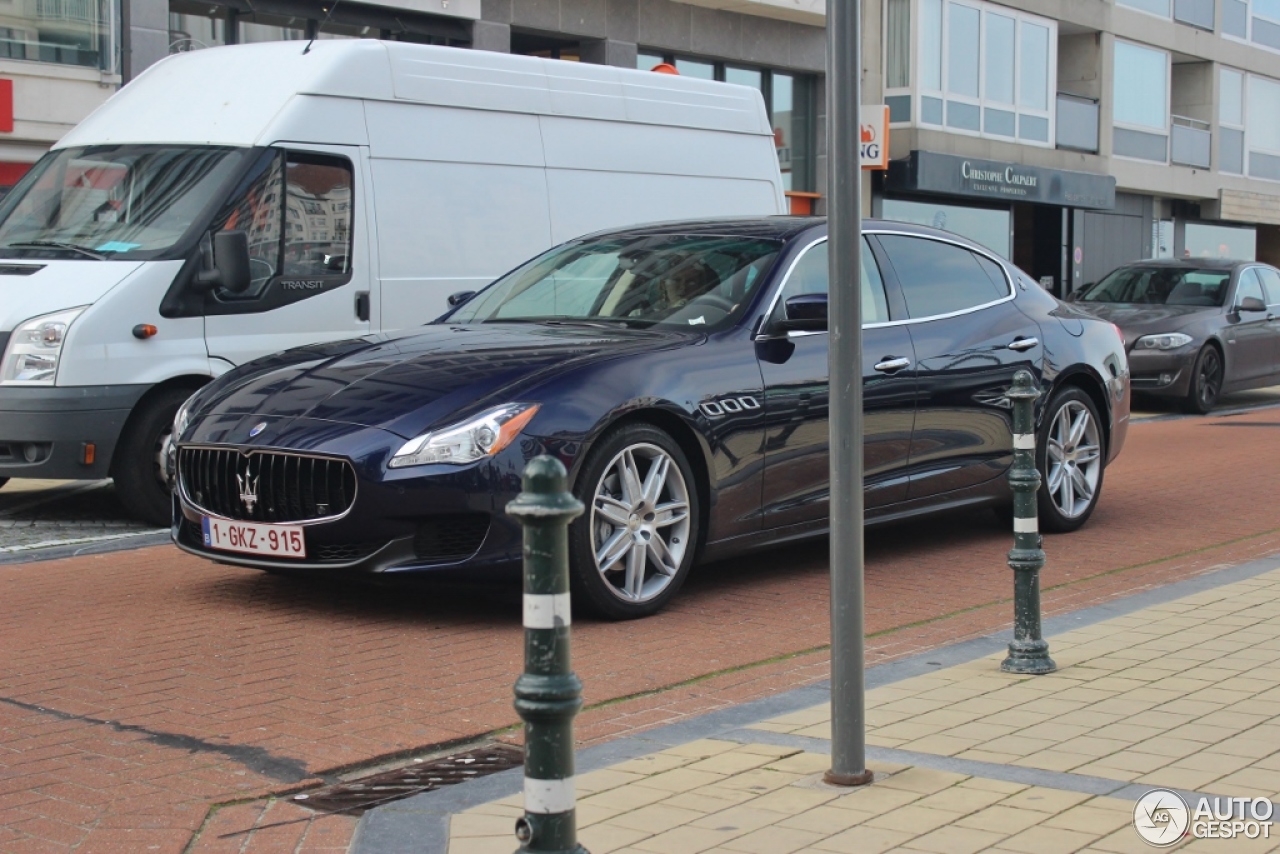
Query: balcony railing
{"x": 83, "y": 11}
{"x": 1077, "y": 123}
{"x": 1192, "y": 141}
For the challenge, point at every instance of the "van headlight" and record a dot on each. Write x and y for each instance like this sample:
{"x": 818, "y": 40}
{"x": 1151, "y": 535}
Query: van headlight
{"x": 32, "y": 355}
{"x": 476, "y": 438}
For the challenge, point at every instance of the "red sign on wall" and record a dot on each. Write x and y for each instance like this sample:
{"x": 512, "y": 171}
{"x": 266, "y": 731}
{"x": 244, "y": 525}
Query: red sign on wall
{"x": 6, "y": 105}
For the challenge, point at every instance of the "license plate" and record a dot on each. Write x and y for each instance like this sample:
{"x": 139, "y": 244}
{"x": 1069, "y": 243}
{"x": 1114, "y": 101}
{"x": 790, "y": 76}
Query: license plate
{"x": 252, "y": 538}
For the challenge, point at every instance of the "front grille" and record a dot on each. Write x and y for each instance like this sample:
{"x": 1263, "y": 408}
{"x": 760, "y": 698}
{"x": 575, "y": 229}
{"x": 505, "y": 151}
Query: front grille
{"x": 451, "y": 537}
{"x": 266, "y": 486}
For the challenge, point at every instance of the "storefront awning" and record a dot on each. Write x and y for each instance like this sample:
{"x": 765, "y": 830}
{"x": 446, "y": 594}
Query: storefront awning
{"x": 951, "y": 175}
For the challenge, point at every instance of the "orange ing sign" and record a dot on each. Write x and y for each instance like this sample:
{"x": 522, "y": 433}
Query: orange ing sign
{"x": 874, "y": 132}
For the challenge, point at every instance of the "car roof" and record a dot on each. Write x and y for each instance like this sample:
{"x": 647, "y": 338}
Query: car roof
{"x": 1189, "y": 263}
{"x": 777, "y": 228}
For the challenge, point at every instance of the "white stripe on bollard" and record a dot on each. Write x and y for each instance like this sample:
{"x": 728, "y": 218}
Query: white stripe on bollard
{"x": 549, "y": 797}
{"x": 1024, "y": 441}
{"x": 546, "y": 610}
{"x": 1025, "y": 526}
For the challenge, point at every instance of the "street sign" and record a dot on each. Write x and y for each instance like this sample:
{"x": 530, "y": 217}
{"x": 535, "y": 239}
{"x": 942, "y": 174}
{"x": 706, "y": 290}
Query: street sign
{"x": 874, "y": 137}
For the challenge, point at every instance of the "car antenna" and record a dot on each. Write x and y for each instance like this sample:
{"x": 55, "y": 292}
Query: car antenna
{"x": 328, "y": 14}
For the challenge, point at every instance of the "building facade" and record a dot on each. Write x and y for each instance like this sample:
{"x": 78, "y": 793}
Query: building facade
{"x": 1067, "y": 135}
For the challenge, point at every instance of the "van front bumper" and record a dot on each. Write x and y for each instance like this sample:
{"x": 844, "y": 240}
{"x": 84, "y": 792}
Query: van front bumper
{"x": 44, "y": 431}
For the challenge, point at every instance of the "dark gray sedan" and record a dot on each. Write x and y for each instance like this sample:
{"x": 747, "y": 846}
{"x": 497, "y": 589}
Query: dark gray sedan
{"x": 1194, "y": 328}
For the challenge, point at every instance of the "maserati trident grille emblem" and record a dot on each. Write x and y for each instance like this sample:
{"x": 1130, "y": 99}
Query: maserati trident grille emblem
{"x": 248, "y": 489}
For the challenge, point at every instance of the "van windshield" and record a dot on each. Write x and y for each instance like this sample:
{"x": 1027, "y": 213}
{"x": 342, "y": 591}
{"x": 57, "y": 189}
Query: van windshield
{"x": 112, "y": 201}
{"x": 703, "y": 281}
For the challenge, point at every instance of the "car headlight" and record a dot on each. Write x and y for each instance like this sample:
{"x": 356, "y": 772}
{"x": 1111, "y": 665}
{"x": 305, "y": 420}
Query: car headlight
{"x": 476, "y": 438}
{"x": 1166, "y": 341}
{"x": 32, "y": 355}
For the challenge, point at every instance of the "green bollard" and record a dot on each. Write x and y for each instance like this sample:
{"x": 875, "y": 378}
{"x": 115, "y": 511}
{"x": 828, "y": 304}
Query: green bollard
{"x": 548, "y": 694}
{"x": 1029, "y": 652}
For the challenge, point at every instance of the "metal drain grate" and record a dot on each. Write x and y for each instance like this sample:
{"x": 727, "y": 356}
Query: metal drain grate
{"x": 356, "y": 796}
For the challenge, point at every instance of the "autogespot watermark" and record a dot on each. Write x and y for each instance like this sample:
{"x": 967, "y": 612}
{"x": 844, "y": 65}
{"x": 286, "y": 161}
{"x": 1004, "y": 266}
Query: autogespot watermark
{"x": 1163, "y": 818}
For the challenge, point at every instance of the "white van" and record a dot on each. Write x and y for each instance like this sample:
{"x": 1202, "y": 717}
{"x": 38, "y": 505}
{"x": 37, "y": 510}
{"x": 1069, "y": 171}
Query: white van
{"x": 236, "y": 201}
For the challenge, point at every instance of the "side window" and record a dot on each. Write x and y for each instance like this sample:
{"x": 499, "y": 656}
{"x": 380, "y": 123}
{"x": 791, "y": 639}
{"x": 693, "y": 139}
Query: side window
{"x": 1270, "y": 284}
{"x": 297, "y": 215}
{"x": 941, "y": 278}
{"x": 257, "y": 214}
{"x": 1249, "y": 286}
{"x": 811, "y": 273}
{"x": 317, "y": 240}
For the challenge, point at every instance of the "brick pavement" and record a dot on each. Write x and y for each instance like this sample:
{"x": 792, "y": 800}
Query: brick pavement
{"x": 148, "y": 697}
{"x": 1178, "y": 695}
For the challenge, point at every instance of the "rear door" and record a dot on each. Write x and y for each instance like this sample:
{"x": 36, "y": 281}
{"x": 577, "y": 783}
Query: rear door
{"x": 970, "y": 338}
{"x": 794, "y": 367}
{"x": 308, "y": 249}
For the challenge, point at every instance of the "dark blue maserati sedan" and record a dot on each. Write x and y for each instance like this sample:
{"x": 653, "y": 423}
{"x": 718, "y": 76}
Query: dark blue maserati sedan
{"x": 679, "y": 371}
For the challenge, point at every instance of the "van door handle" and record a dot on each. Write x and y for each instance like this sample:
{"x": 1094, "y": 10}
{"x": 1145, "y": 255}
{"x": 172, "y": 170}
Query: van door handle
{"x": 1024, "y": 343}
{"x": 362, "y": 305}
{"x": 890, "y": 365}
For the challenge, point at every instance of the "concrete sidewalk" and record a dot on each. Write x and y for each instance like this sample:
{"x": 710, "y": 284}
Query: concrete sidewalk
{"x": 1178, "y": 689}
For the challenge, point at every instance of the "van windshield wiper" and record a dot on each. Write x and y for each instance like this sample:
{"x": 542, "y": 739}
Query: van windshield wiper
{"x": 53, "y": 244}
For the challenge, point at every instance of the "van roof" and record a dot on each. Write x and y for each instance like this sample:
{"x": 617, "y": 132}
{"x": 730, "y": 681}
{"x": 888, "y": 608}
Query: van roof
{"x": 242, "y": 95}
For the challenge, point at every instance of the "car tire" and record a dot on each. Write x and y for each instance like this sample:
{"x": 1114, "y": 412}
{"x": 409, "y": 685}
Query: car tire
{"x": 1206, "y": 381}
{"x": 633, "y": 547}
{"x": 138, "y": 466}
{"x": 1071, "y": 459}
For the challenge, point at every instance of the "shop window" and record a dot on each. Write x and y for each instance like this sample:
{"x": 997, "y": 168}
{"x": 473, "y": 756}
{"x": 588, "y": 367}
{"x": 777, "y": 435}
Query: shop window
{"x": 193, "y": 26}
{"x": 979, "y": 69}
{"x": 788, "y": 98}
{"x": 987, "y": 226}
{"x": 1205, "y": 240}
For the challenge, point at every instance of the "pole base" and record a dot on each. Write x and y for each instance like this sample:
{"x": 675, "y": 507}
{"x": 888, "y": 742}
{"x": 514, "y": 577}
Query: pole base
{"x": 1029, "y": 657}
{"x": 831, "y": 778}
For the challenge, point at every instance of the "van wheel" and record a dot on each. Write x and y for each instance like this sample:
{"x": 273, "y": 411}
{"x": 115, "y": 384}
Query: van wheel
{"x": 631, "y": 550}
{"x": 138, "y": 467}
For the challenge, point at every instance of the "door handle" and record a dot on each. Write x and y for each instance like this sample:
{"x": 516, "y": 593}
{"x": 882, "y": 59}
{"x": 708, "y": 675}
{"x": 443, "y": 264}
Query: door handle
{"x": 1024, "y": 343}
{"x": 889, "y": 364}
{"x": 362, "y": 305}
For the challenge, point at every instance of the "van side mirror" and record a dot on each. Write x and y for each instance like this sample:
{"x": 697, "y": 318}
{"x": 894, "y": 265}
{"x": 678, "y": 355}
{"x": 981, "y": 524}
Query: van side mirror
{"x": 231, "y": 260}
{"x": 1252, "y": 304}
{"x": 804, "y": 313}
{"x": 460, "y": 297}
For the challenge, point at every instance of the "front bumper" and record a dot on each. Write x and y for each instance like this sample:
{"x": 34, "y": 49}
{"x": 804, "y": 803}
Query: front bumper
{"x": 441, "y": 520}
{"x": 1164, "y": 373}
{"x": 43, "y": 431}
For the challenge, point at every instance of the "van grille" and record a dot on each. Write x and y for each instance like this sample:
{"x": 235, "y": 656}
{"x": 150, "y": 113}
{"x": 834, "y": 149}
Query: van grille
{"x": 266, "y": 486}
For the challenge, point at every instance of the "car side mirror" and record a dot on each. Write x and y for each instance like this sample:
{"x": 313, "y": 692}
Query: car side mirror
{"x": 460, "y": 297}
{"x": 1251, "y": 304}
{"x": 804, "y": 313}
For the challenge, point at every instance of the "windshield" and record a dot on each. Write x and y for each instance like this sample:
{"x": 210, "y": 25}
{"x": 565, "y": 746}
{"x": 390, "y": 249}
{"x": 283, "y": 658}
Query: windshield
{"x": 112, "y": 201}
{"x": 684, "y": 280}
{"x": 1161, "y": 286}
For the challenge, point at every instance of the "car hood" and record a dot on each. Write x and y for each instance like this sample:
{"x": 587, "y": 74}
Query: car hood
{"x": 409, "y": 382}
{"x": 1138, "y": 320}
{"x": 31, "y": 287}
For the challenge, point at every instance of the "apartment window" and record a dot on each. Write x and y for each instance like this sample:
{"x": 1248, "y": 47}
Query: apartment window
{"x": 979, "y": 69}
{"x": 1231, "y": 121}
{"x": 1257, "y": 21}
{"x": 64, "y": 32}
{"x": 1141, "y": 100}
{"x": 1155, "y": 7}
{"x": 1262, "y": 128}
{"x": 787, "y": 97}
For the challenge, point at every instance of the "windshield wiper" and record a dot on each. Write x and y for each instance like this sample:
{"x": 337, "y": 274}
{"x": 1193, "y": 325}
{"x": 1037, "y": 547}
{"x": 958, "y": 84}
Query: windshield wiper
{"x": 562, "y": 320}
{"x": 53, "y": 244}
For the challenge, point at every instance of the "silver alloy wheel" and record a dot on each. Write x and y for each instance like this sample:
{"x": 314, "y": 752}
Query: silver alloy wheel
{"x": 640, "y": 522}
{"x": 1074, "y": 459}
